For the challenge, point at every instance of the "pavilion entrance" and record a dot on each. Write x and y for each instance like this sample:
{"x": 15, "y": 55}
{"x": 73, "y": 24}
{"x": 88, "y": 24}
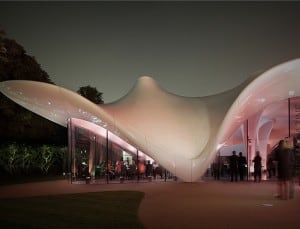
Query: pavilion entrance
{"x": 261, "y": 132}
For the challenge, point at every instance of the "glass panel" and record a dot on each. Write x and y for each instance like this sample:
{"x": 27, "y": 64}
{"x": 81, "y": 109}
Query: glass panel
{"x": 122, "y": 164}
{"x": 100, "y": 159}
{"x": 96, "y": 159}
{"x": 82, "y": 154}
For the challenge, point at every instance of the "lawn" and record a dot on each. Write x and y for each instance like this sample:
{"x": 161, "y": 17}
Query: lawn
{"x": 111, "y": 209}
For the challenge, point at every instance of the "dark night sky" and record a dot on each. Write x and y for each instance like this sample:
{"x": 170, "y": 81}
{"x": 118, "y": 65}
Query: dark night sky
{"x": 190, "y": 48}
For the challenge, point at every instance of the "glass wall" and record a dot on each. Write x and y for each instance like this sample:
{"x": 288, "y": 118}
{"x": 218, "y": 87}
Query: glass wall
{"x": 88, "y": 156}
{"x": 98, "y": 156}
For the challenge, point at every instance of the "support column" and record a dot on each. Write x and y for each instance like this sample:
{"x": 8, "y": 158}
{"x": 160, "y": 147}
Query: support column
{"x": 289, "y": 114}
{"x": 247, "y": 148}
{"x": 71, "y": 149}
{"x": 138, "y": 165}
{"x": 107, "y": 173}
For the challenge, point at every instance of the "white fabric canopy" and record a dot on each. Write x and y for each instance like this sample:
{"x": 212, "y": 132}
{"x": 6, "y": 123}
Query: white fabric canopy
{"x": 181, "y": 133}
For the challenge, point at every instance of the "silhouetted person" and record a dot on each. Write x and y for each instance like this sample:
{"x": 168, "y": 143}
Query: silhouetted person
{"x": 216, "y": 169}
{"x": 257, "y": 167}
{"x": 284, "y": 155}
{"x": 148, "y": 169}
{"x": 270, "y": 166}
{"x": 233, "y": 163}
{"x": 241, "y": 165}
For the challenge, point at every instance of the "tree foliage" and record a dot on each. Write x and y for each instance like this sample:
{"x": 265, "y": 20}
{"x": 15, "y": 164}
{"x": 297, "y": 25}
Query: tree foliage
{"x": 91, "y": 93}
{"x": 24, "y": 159}
{"x": 15, "y": 64}
{"x": 17, "y": 123}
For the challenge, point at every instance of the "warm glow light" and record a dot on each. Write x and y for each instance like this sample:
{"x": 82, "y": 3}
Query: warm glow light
{"x": 220, "y": 146}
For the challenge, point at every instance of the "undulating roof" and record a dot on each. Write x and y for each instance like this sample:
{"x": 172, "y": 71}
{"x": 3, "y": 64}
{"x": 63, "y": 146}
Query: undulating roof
{"x": 181, "y": 133}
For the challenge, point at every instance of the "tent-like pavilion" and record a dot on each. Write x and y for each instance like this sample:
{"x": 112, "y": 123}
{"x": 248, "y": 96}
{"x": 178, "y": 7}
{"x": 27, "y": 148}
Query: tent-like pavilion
{"x": 181, "y": 134}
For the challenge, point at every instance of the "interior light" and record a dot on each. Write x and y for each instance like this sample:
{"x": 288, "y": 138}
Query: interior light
{"x": 291, "y": 93}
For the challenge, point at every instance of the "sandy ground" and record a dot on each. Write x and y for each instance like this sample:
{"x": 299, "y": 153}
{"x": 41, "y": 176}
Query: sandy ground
{"x": 207, "y": 204}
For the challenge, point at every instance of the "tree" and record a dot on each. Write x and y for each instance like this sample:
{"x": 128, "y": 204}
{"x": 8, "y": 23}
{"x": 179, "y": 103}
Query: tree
{"x": 91, "y": 93}
{"x": 17, "y": 123}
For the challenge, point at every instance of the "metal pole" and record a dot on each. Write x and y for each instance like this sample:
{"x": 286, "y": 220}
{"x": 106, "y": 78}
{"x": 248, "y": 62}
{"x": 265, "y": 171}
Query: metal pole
{"x": 70, "y": 150}
{"x": 247, "y": 145}
{"x": 138, "y": 165}
{"x": 72, "y": 157}
{"x": 107, "y": 176}
{"x": 289, "y": 111}
{"x": 95, "y": 163}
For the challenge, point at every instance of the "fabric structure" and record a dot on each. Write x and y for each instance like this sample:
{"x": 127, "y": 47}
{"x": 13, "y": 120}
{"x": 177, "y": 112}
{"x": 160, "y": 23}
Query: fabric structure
{"x": 183, "y": 134}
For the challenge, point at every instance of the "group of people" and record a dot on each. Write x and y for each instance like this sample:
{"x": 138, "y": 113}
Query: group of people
{"x": 237, "y": 166}
{"x": 284, "y": 161}
{"x": 124, "y": 169}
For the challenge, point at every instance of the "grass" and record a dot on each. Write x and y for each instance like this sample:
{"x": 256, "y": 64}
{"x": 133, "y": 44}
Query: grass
{"x": 111, "y": 209}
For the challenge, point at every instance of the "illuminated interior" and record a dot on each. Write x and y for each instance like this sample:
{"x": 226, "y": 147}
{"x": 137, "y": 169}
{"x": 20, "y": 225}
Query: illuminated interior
{"x": 182, "y": 134}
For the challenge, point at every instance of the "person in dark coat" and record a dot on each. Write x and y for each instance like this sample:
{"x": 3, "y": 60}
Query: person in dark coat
{"x": 149, "y": 168}
{"x": 242, "y": 162}
{"x": 216, "y": 169}
{"x": 271, "y": 166}
{"x": 284, "y": 155}
{"x": 257, "y": 167}
{"x": 233, "y": 164}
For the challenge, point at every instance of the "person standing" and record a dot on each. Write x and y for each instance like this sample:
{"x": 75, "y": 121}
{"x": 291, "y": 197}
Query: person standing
{"x": 216, "y": 169}
{"x": 149, "y": 169}
{"x": 271, "y": 166}
{"x": 257, "y": 167}
{"x": 233, "y": 163}
{"x": 284, "y": 155}
{"x": 241, "y": 165}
